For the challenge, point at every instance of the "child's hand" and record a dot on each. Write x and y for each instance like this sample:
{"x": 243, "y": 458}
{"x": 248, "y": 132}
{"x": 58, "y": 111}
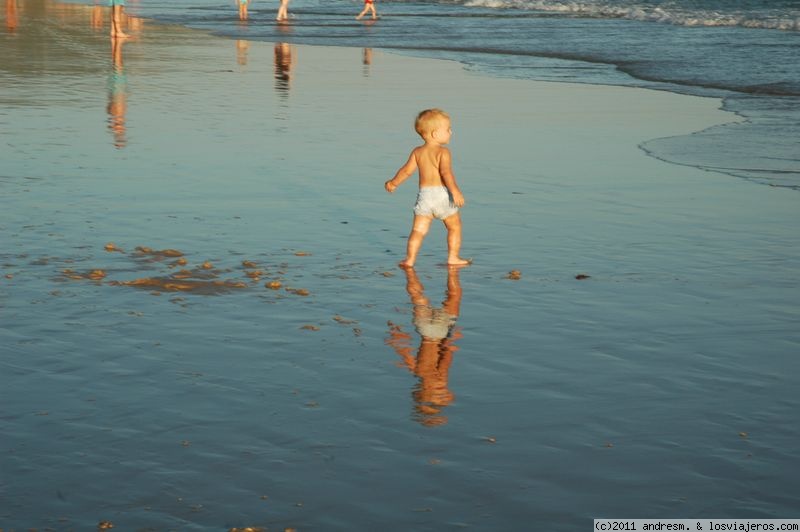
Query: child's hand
{"x": 390, "y": 187}
{"x": 458, "y": 199}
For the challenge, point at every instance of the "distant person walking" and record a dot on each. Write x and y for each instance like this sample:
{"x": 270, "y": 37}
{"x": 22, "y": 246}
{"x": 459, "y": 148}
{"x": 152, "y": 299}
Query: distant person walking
{"x": 117, "y": 7}
{"x": 283, "y": 11}
{"x": 369, "y": 7}
{"x": 243, "y": 9}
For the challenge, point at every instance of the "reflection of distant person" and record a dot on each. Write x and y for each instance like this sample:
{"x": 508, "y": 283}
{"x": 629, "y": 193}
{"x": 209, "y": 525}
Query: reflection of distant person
{"x": 366, "y": 61}
{"x": 369, "y": 7}
{"x": 439, "y": 195}
{"x": 283, "y": 66}
{"x": 243, "y": 9}
{"x": 117, "y": 7}
{"x": 12, "y": 21}
{"x": 283, "y": 11}
{"x": 97, "y": 17}
{"x": 435, "y": 353}
{"x": 134, "y": 23}
{"x": 242, "y": 45}
{"x": 117, "y": 95}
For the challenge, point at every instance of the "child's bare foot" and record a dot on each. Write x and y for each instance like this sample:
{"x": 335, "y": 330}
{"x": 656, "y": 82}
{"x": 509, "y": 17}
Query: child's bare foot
{"x": 458, "y": 261}
{"x": 406, "y": 264}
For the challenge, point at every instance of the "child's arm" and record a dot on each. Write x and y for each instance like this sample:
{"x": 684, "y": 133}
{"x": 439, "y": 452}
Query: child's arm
{"x": 449, "y": 180}
{"x": 403, "y": 173}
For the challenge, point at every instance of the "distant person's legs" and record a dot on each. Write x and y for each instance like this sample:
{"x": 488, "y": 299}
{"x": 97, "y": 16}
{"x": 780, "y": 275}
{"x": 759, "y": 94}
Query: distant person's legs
{"x": 116, "y": 18}
{"x": 283, "y": 11}
{"x": 369, "y": 7}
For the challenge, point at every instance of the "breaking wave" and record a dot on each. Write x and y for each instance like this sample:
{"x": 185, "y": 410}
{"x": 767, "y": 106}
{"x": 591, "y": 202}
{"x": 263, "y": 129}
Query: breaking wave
{"x": 763, "y": 17}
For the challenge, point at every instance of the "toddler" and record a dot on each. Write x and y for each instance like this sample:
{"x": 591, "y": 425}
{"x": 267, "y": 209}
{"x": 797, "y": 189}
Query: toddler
{"x": 439, "y": 195}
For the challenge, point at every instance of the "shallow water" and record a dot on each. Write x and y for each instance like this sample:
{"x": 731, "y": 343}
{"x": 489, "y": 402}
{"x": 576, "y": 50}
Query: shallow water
{"x": 660, "y": 386}
{"x": 744, "y": 52}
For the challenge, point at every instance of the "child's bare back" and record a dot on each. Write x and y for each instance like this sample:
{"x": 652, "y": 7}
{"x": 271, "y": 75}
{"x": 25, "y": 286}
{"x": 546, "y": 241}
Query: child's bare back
{"x": 429, "y": 160}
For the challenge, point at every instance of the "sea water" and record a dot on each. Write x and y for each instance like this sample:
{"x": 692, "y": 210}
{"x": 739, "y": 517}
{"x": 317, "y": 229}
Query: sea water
{"x": 664, "y": 385}
{"x": 745, "y": 52}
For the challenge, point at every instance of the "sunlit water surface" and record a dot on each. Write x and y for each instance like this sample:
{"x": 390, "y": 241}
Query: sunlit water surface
{"x": 152, "y": 379}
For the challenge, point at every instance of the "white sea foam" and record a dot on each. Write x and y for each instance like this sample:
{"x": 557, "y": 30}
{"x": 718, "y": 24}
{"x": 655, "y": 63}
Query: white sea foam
{"x": 788, "y": 20}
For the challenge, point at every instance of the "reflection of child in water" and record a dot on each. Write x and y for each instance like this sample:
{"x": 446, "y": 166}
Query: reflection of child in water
{"x": 436, "y": 327}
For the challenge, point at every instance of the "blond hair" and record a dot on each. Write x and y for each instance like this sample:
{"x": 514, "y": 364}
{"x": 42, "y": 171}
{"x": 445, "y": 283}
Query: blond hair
{"x": 428, "y": 120}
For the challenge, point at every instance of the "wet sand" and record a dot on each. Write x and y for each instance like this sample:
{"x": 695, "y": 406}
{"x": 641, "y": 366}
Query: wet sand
{"x": 203, "y": 326}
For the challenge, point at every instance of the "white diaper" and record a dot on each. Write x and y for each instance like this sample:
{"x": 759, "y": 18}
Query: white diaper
{"x": 436, "y": 202}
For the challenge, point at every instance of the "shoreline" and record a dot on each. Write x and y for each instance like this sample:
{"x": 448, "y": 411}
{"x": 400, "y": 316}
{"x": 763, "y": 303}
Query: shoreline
{"x": 737, "y": 118}
{"x": 726, "y": 149}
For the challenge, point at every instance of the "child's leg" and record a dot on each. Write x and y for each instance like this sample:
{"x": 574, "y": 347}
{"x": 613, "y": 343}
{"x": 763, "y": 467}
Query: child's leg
{"x": 418, "y": 231}
{"x": 453, "y": 225}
